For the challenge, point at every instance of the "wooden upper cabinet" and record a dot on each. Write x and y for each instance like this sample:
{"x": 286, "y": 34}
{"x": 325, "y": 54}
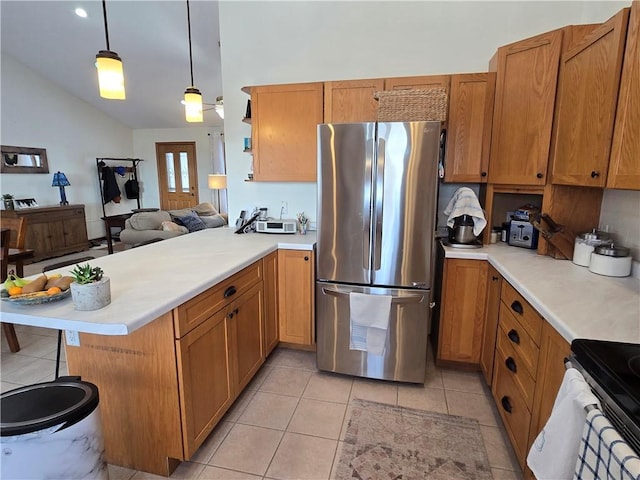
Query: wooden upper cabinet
{"x": 423, "y": 82}
{"x": 586, "y": 106}
{"x": 624, "y": 166}
{"x": 527, "y": 74}
{"x": 284, "y": 122}
{"x": 469, "y": 132}
{"x": 351, "y": 100}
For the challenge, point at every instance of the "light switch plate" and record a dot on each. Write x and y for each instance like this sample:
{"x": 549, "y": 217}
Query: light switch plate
{"x": 72, "y": 338}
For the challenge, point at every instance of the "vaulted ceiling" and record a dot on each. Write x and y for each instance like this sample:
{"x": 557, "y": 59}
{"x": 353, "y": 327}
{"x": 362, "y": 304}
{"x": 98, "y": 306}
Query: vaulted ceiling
{"x": 150, "y": 36}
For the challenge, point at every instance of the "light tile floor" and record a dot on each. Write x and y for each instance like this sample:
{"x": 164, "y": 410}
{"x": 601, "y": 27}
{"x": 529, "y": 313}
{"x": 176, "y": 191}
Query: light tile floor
{"x": 290, "y": 420}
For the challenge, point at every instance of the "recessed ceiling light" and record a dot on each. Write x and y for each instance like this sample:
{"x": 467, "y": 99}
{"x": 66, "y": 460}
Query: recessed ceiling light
{"x": 81, "y": 12}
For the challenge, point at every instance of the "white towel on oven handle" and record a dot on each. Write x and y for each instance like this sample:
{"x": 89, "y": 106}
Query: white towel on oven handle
{"x": 603, "y": 453}
{"x": 555, "y": 449}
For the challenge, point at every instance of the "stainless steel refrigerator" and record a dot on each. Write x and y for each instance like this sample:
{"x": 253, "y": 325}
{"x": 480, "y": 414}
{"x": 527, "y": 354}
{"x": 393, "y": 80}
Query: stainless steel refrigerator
{"x": 377, "y": 197}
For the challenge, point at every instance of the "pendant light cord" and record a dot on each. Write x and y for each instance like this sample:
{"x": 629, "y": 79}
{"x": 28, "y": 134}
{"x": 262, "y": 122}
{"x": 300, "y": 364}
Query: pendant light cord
{"x": 106, "y": 28}
{"x": 190, "y": 55}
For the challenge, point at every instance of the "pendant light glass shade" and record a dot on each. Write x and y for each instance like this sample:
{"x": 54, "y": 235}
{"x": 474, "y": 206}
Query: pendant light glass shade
{"x": 110, "y": 75}
{"x": 193, "y": 105}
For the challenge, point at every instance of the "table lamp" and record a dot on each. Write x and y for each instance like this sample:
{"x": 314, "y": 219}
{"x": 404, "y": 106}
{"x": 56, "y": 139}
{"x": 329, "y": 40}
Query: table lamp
{"x": 217, "y": 181}
{"x": 60, "y": 180}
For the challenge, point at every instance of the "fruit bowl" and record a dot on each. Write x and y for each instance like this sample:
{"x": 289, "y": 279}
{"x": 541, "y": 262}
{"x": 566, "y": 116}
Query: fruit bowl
{"x": 36, "y": 300}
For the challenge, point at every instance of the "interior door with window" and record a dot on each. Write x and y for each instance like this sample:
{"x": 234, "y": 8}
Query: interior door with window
{"x": 177, "y": 175}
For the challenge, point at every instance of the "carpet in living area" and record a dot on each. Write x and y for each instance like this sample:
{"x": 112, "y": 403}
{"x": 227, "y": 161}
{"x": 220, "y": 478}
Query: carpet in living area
{"x": 389, "y": 442}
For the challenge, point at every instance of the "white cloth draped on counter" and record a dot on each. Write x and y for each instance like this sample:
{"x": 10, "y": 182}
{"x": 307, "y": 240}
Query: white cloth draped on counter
{"x": 555, "y": 449}
{"x": 603, "y": 453}
{"x": 369, "y": 321}
{"x": 465, "y": 202}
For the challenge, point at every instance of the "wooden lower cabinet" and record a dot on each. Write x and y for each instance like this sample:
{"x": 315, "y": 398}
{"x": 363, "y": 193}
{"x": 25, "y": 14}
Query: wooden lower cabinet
{"x": 296, "y": 296}
{"x": 492, "y": 310}
{"x": 270, "y": 269}
{"x": 462, "y": 311}
{"x": 205, "y": 393}
{"x": 164, "y": 387}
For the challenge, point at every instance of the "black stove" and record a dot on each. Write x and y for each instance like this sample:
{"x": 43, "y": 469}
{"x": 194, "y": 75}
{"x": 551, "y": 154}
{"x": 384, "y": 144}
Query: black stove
{"x": 612, "y": 369}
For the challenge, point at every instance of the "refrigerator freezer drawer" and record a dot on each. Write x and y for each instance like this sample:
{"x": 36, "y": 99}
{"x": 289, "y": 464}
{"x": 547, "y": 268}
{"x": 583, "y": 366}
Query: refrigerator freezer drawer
{"x": 405, "y": 355}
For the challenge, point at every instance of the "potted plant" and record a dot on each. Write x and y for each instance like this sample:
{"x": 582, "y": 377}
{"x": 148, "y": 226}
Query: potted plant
{"x": 7, "y": 198}
{"x": 90, "y": 290}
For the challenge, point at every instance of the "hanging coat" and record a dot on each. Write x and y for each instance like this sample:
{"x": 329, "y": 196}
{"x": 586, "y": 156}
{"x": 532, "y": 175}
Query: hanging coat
{"x": 110, "y": 189}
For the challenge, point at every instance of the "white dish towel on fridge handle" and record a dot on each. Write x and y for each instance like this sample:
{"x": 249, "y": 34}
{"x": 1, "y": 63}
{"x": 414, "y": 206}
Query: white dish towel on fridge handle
{"x": 368, "y": 321}
{"x": 555, "y": 449}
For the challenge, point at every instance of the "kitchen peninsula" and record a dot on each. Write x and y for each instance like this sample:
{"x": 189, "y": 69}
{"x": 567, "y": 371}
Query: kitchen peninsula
{"x": 191, "y": 321}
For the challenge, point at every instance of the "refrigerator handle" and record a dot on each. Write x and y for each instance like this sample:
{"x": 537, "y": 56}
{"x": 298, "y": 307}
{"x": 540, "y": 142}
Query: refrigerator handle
{"x": 366, "y": 207}
{"x": 394, "y": 299}
{"x": 379, "y": 197}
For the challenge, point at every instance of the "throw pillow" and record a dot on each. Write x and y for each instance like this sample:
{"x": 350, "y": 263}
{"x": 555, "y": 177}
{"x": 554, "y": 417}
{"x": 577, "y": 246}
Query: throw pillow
{"x": 205, "y": 209}
{"x": 213, "y": 221}
{"x": 174, "y": 227}
{"x": 192, "y": 222}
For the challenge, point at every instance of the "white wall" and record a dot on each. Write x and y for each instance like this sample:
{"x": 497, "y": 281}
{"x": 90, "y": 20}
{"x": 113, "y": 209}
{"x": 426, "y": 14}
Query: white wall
{"x": 286, "y": 42}
{"x": 620, "y": 213}
{"x": 36, "y": 113}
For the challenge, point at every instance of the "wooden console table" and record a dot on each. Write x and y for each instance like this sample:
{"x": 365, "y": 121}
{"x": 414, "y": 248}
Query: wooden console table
{"x": 53, "y": 231}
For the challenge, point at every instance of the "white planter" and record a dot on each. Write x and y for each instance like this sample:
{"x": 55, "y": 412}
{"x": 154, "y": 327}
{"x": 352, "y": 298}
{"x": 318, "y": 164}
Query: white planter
{"x": 91, "y": 296}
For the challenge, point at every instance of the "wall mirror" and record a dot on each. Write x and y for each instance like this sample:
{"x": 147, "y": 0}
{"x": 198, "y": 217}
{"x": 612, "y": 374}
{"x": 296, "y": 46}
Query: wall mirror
{"x": 23, "y": 160}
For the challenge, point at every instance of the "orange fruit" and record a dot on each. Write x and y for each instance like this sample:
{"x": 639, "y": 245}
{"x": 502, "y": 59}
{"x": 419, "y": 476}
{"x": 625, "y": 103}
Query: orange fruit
{"x": 53, "y": 290}
{"x": 14, "y": 291}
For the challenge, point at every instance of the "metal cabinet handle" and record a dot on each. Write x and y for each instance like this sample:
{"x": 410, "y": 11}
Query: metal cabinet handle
{"x": 494, "y": 278}
{"x": 483, "y": 174}
{"x": 595, "y": 174}
{"x": 229, "y": 291}
{"x": 516, "y": 306}
{"x": 506, "y": 404}
{"x": 230, "y": 315}
{"x": 236, "y": 311}
{"x": 513, "y": 336}
{"x": 511, "y": 364}
{"x": 539, "y": 175}
{"x": 306, "y": 259}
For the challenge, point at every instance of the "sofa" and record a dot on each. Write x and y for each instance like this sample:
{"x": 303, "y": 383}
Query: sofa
{"x": 151, "y": 226}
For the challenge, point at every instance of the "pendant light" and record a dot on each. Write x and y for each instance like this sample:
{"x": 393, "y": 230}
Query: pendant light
{"x": 192, "y": 96}
{"x": 109, "y": 65}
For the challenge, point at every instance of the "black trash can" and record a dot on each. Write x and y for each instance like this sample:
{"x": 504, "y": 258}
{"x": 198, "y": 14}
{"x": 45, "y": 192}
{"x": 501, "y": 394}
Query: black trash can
{"x": 52, "y": 430}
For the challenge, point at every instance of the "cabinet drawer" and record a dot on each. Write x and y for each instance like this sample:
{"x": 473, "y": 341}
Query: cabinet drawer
{"x": 513, "y": 410}
{"x": 519, "y": 339}
{"x": 530, "y": 320}
{"x": 515, "y": 365}
{"x": 198, "y": 309}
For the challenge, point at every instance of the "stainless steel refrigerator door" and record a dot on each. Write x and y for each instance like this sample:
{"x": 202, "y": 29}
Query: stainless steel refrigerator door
{"x": 345, "y": 158}
{"x": 405, "y": 193}
{"x": 405, "y": 355}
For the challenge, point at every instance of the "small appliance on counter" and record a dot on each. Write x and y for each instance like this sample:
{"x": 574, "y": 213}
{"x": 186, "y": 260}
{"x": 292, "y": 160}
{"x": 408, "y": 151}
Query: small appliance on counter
{"x": 611, "y": 261}
{"x": 586, "y": 243}
{"x": 461, "y": 235}
{"x": 465, "y": 220}
{"x": 276, "y": 226}
{"x": 521, "y": 231}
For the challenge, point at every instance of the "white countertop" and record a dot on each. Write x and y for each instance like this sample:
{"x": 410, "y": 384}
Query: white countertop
{"x": 149, "y": 281}
{"x": 576, "y": 302}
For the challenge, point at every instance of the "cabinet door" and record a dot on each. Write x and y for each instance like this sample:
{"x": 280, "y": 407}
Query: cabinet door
{"x": 75, "y": 230}
{"x": 351, "y": 100}
{"x": 270, "y": 269}
{"x": 246, "y": 325}
{"x": 463, "y": 303}
{"x": 204, "y": 374}
{"x": 284, "y": 121}
{"x": 469, "y": 132}
{"x": 553, "y": 350}
{"x": 38, "y": 237}
{"x": 423, "y": 82}
{"x": 295, "y": 296}
{"x": 492, "y": 313}
{"x": 624, "y": 167}
{"x": 586, "y": 107}
{"x": 527, "y": 73}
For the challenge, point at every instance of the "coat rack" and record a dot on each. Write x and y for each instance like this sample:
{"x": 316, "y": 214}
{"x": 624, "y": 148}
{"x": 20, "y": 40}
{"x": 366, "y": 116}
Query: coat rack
{"x": 115, "y": 220}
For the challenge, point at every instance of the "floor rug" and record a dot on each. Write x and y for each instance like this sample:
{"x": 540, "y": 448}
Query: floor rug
{"x": 393, "y": 443}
